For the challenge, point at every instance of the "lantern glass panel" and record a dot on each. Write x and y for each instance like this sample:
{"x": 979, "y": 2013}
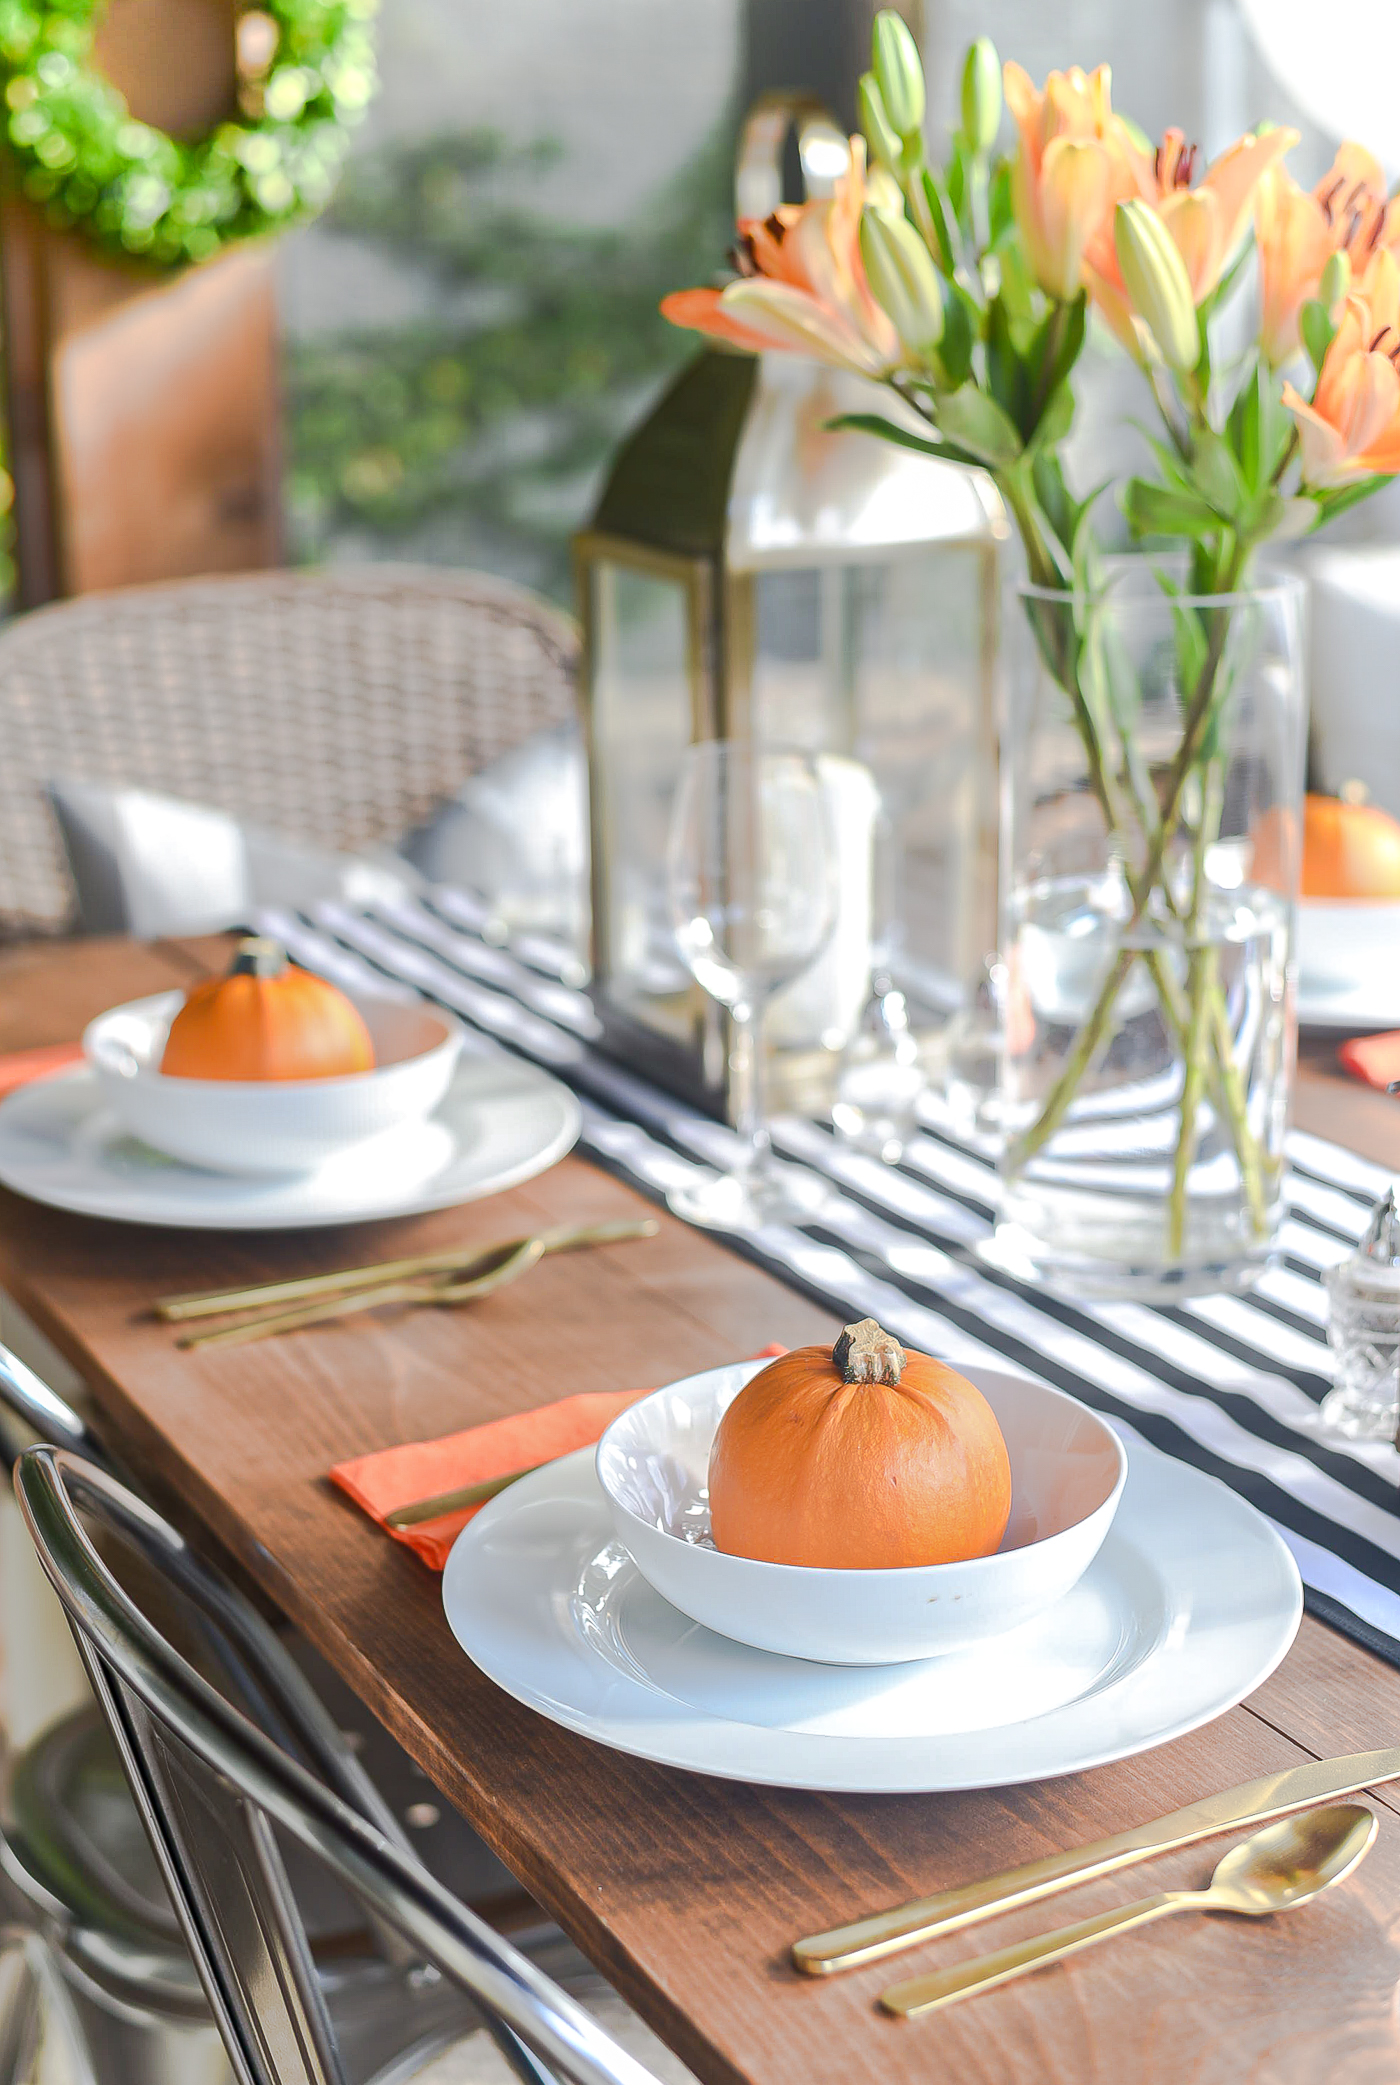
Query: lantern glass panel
{"x": 888, "y": 663}
{"x": 643, "y": 703}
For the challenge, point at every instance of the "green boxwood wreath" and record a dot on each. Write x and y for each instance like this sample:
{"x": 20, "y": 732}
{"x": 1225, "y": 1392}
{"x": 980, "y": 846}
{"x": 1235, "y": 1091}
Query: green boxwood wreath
{"x": 81, "y": 155}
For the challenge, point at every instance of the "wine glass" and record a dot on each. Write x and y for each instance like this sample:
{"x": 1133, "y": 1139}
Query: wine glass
{"x": 751, "y": 878}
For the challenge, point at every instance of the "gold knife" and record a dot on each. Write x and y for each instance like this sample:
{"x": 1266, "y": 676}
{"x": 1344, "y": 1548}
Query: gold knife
{"x": 927, "y": 1918}
{"x": 456, "y": 1501}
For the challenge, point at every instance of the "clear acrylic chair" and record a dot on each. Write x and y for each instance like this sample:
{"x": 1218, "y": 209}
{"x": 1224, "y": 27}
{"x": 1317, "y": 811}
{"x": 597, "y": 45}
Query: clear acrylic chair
{"x": 234, "y": 1781}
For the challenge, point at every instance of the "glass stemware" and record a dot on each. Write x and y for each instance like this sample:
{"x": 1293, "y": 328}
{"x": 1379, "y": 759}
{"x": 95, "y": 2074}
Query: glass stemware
{"x": 751, "y": 878}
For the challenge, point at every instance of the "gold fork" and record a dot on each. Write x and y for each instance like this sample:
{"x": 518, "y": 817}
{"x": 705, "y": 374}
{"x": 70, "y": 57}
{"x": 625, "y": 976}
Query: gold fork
{"x": 466, "y": 1278}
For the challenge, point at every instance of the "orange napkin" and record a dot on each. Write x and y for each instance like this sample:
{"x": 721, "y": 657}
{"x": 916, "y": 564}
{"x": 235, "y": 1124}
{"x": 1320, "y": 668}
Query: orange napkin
{"x": 20, "y": 1066}
{"x": 392, "y": 1477}
{"x": 1374, "y": 1058}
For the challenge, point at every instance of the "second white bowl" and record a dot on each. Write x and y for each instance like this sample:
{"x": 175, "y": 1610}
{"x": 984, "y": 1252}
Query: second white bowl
{"x": 270, "y": 1125}
{"x": 1067, "y": 1472}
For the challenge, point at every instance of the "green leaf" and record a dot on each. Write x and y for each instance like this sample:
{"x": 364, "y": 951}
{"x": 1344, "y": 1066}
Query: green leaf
{"x": 1053, "y": 495}
{"x": 1055, "y": 422}
{"x": 1157, "y": 510}
{"x": 1245, "y": 430}
{"x": 940, "y": 210}
{"x": 1017, "y": 282}
{"x": 977, "y": 423}
{"x": 1060, "y": 344}
{"x": 1009, "y": 377}
{"x": 1331, "y": 504}
{"x": 1315, "y": 325}
{"x": 1084, "y": 549}
{"x": 1282, "y": 520}
{"x": 999, "y": 212}
{"x": 1228, "y": 280}
{"x": 1216, "y": 475}
{"x": 956, "y": 181}
{"x": 961, "y": 319}
{"x": 887, "y": 430}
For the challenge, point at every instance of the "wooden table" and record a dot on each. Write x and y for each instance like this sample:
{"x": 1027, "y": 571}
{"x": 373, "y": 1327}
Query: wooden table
{"x": 684, "y": 1890}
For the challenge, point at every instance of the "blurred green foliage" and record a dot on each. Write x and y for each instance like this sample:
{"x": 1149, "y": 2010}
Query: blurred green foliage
{"x": 480, "y": 435}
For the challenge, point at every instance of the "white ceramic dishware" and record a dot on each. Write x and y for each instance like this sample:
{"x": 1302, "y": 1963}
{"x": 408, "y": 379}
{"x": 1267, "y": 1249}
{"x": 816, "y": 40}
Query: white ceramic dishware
{"x": 500, "y": 1122}
{"x": 1067, "y": 1472}
{"x": 270, "y": 1125}
{"x": 1190, "y": 1604}
{"x": 1348, "y": 963}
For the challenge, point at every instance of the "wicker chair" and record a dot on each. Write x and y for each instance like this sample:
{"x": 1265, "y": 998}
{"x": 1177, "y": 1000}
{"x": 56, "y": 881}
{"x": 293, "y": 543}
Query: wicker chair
{"x": 338, "y": 708}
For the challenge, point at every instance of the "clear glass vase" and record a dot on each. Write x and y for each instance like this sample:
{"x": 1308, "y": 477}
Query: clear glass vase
{"x": 1152, "y": 775}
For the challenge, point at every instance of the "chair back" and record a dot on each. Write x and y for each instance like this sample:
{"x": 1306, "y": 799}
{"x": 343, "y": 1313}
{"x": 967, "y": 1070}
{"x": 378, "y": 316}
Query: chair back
{"x": 338, "y": 708}
{"x": 29, "y": 1398}
{"x": 215, "y": 1791}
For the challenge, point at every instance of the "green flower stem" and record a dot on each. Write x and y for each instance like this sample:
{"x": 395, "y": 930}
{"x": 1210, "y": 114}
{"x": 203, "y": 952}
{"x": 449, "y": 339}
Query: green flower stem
{"x": 1200, "y": 978}
{"x": 1140, "y": 887}
{"x": 1237, "y": 1113}
{"x": 1226, "y": 1086}
{"x": 1088, "y": 1045}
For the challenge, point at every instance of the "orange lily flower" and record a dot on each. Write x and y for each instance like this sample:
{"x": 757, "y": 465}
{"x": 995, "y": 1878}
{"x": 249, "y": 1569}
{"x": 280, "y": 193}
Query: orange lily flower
{"x": 1351, "y": 429}
{"x": 1295, "y": 244}
{"x": 1298, "y": 233}
{"x": 1206, "y": 219}
{"x": 803, "y": 288}
{"x": 1075, "y": 161}
{"x": 1351, "y": 197}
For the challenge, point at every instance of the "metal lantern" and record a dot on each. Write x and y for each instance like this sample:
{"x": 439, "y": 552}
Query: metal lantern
{"x": 750, "y": 570}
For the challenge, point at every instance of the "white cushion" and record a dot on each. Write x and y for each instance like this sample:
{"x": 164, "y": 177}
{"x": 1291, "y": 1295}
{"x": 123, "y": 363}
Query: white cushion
{"x": 152, "y": 865}
{"x": 517, "y": 834}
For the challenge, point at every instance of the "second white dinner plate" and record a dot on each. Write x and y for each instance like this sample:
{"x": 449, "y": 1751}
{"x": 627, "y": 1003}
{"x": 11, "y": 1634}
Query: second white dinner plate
{"x": 499, "y": 1123}
{"x": 1191, "y": 1603}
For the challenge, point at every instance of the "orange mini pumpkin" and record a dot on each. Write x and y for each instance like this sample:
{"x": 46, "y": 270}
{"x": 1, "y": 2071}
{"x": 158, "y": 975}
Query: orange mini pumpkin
{"x": 859, "y": 1457}
{"x": 1349, "y": 850}
{"x": 265, "y": 1020}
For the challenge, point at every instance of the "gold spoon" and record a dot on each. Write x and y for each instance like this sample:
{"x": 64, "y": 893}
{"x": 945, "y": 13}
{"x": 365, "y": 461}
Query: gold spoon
{"x": 1277, "y": 1869}
{"x": 506, "y": 1264}
{"x": 458, "y": 1259}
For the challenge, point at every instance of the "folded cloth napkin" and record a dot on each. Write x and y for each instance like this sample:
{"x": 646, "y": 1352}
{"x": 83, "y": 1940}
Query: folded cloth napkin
{"x": 393, "y": 1477}
{"x": 1374, "y": 1058}
{"x": 20, "y": 1066}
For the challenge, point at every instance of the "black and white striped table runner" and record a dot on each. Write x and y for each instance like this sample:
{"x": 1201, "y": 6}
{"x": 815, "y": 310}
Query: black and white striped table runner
{"x": 1230, "y": 1384}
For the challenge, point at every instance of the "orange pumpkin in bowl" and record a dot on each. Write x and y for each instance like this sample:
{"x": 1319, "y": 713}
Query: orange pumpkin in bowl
{"x": 266, "y": 1020}
{"x": 1349, "y": 850}
{"x": 859, "y": 1457}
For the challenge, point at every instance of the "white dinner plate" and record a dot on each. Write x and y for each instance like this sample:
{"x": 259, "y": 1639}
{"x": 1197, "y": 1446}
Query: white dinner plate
{"x": 1349, "y": 1009}
{"x": 499, "y": 1123}
{"x": 1189, "y": 1605}
{"x": 1348, "y": 964}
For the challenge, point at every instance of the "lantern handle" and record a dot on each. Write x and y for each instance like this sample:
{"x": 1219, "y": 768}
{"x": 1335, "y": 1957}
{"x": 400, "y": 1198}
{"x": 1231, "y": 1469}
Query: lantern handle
{"x": 823, "y": 152}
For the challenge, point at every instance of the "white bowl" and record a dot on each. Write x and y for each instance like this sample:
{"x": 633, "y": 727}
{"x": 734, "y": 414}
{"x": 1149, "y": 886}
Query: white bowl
{"x": 1343, "y": 942}
{"x": 270, "y": 1125}
{"x": 1067, "y": 1472}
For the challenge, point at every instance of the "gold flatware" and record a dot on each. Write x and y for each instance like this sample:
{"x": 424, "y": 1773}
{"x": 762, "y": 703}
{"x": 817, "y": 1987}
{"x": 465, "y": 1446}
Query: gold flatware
{"x": 1253, "y": 1802}
{"x": 456, "y": 1501}
{"x": 206, "y": 1303}
{"x": 1278, "y": 1869}
{"x": 508, "y": 1264}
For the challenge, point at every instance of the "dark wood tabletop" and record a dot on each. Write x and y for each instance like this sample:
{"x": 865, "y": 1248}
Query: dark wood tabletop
{"x": 684, "y": 1890}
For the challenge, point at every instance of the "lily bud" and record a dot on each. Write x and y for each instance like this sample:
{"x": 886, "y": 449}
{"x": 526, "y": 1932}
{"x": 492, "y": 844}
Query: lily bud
{"x": 882, "y": 192}
{"x": 981, "y": 94}
{"x": 902, "y": 277}
{"x": 1155, "y": 278}
{"x": 882, "y": 139}
{"x": 1336, "y": 281}
{"x": 899, "y": 73}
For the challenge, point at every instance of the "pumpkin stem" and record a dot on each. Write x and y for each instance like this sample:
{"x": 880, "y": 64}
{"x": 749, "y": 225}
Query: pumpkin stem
{"x": 257, "y": 956}
{"x": 866, "y": 1353}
